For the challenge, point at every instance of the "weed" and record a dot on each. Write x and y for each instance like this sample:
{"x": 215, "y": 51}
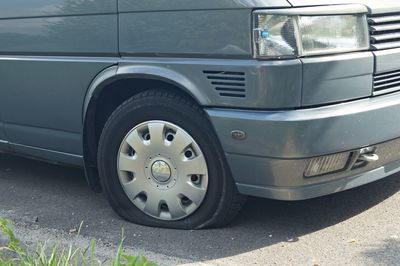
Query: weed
{"x": 15, "y": 254}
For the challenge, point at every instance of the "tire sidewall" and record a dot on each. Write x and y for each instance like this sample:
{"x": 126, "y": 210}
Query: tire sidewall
{"x": 189, "y": 119}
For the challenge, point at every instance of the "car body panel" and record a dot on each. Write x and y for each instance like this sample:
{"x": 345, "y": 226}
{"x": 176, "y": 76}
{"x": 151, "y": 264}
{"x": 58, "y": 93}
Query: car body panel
{"x": 43, "y": 72}
{"x": 3, "y": 142}
{"x": 387, "y": 60}
{"x": 178, "y": 5}
{"x": 48, "y": 155}
{"x": 319, "y": 189}
{"x": 273, "y": 157}
{"x": 49, "y": 115}
{"x": 266, "y": 83}
{"x": 186, "y": 33}
{"x": 330, "y": 79}
{"x": 309, "y": 132}
{"x": 180, "y": 27}
{"x": 47, "y": 8}
{"x": 288, "y": 172}
{"x": 68, "y": 35}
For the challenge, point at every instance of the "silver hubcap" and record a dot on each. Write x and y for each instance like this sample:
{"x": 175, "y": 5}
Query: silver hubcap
{"x": 163, "y": 170}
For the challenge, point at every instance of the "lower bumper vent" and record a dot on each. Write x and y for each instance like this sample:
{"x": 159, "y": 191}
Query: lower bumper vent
{"x": 386, "y": 82}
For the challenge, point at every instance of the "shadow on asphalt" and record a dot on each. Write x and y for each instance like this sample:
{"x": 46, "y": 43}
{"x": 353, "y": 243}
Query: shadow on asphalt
{"x": 391, "y": 247}
{"x": 59, "y": 197}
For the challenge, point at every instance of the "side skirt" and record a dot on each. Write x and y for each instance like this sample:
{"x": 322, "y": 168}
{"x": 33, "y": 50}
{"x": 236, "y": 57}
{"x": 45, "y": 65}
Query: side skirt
{"x": 42, "y": 154}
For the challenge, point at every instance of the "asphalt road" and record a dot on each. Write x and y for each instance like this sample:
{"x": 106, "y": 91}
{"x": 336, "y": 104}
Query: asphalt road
{"x": 356, "y": 227}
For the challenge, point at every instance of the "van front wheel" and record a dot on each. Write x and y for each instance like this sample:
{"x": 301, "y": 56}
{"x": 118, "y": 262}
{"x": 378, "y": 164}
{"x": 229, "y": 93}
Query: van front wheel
{"x": 161, "y": 164}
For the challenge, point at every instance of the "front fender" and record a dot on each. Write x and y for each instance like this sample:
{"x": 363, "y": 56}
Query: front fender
{"x": 120, "y": 72}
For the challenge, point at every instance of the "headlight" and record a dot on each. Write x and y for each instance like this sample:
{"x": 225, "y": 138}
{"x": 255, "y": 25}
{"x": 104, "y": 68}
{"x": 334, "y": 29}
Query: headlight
{"x": 282, "y": 36}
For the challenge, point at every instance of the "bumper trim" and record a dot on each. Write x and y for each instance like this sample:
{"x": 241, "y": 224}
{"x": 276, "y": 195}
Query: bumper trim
{"x": 317, "y": 190}
{"x": 309, "y": 132}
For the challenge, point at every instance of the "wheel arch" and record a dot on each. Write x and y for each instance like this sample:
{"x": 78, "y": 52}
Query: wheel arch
{"x": 113, "y": 86}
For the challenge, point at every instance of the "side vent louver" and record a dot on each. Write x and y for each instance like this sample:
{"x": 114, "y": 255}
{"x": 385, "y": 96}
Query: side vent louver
{"x": 228, "y": 83}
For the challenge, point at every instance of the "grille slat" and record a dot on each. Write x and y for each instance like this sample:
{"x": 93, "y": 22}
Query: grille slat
{"x": 224, "y": 73}
{"x": 386, "y": 82}
{"x": 229, "y": 89}
{"x": 384, "y": 19}
{"x": 383, "y": 81}
{"x": 225, "y": 78}
{"x": 228, "y": 83}
{"x": 387, "y": 85}
{"x": 387, "y": 75}
{"x": 386, "y": 27}
{"x": 386, "y": 37}
{"x": 383, "y": 46}
{"x": 384, "y": 31}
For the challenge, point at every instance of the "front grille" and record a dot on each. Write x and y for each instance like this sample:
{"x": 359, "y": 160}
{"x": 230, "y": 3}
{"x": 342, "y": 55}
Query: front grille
{"x": 385, "y": 31}
{"x": 386, "y": 82}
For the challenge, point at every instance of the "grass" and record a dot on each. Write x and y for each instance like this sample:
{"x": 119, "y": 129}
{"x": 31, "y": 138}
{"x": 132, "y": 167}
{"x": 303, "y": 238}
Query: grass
{"x": 14, "y": 253}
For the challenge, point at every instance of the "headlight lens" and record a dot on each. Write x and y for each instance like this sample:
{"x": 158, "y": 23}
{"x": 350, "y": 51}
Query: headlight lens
{"x": 280, "y": 36}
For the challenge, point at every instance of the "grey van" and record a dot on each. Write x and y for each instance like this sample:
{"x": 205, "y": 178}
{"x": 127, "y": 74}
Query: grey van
{"x": 177, "y": 109}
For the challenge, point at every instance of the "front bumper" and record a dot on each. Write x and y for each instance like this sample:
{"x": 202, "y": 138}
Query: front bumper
{"x": 271, "y": 161}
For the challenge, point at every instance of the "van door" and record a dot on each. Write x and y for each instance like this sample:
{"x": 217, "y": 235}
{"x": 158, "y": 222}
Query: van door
{"x": 50, "y": 51}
